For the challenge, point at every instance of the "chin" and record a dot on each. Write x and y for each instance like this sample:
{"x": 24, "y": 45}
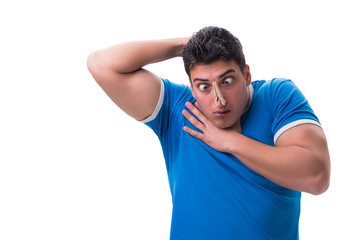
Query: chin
{"x": 228, "y": 125}
{"x": 225, "y": 125}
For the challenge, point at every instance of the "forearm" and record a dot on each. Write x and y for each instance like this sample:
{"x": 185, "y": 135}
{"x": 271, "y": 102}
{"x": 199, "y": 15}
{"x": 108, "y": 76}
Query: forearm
{"x": 293, "y": 167}
{"x": 131, "y": 56}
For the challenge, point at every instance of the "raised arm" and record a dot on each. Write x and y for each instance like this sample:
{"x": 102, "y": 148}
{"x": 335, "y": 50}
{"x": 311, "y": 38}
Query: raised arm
{"x": 118, "y": 70}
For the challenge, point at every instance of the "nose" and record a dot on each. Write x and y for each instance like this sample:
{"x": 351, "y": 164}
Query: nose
{"x": 218, "y": 95}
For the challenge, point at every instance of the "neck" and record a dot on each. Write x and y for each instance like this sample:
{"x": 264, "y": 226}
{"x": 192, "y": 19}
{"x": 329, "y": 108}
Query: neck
{"x": 249, "y": 92}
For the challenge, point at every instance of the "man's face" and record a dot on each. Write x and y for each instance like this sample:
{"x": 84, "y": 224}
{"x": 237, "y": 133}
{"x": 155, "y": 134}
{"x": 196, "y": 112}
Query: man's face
{"x": 233, "y": 85}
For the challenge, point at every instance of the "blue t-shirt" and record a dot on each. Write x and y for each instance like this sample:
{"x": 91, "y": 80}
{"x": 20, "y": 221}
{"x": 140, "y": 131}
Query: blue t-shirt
{"x": 214, "y": 195}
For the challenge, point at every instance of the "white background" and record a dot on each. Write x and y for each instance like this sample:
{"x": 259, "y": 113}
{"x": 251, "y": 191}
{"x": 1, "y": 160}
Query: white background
{"x": 74, "y": 166}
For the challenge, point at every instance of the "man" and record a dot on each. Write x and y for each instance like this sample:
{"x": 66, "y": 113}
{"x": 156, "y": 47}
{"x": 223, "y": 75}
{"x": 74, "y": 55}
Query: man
{"x": 238, "y": 153}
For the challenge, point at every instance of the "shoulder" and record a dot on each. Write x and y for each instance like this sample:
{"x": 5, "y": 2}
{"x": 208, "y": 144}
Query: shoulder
{"x": 175, "y": 87}
{"x": 275, "y": 84}
{"x": 175, "y": 92}
{"x": 171, "y": 101}
{"x": 283, "y": 86}
{"x": 284, "y": 105}
{"x": 278, "y": 90}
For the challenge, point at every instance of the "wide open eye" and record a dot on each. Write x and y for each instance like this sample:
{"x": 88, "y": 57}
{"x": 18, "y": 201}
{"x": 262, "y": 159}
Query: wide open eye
{"x": 228, "y": 80}
{"x": 203, "y": 87}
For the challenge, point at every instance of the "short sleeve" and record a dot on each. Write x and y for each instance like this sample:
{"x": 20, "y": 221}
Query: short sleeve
{"x": 169, "y": 108}
{"x": 158, "y": 105}
{"x": 290, "y": 107}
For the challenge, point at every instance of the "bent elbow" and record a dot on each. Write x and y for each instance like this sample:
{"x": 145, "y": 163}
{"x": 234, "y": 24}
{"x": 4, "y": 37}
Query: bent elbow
{"x": 320, "y": 183}
{"x": 320, "y": 188}
{"x": 98, "y": 67}
{"x": 92, "y": 63}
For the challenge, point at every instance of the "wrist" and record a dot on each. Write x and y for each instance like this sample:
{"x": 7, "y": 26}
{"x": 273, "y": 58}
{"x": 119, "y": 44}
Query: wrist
{"x": 181, "y": 42}
{"x": 234, "y": 143}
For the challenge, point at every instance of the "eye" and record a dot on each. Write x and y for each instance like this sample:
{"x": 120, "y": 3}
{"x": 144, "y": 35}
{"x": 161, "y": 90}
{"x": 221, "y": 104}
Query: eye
{"x": 228, "y": 80}
{"x": 203, "y": 87}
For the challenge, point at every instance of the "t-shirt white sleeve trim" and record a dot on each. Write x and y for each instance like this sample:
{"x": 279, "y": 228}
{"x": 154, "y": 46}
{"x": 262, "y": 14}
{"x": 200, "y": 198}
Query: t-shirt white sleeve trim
{"x": 293, "y": 124}
{"x": 158, "y": 105}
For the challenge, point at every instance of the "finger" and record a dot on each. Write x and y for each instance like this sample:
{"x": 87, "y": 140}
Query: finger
{"x": 196, "y": 112}
{"x": 196, "y": 123}
{"x": 193, "y": 133}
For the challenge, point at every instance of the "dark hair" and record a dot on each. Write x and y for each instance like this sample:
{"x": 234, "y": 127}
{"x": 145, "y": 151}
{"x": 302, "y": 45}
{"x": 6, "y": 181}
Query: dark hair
{"x": 211, "y": 44}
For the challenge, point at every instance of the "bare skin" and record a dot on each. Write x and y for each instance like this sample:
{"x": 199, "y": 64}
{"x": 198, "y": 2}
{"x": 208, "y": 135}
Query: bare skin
{"x": 119, "y": 72}
{"x": 300, "y": 159}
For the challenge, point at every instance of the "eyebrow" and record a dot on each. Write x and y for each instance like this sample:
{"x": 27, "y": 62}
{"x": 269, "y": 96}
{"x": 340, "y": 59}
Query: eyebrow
{"x": 220, "y": 76}
{"x": 200, "y": 79}
{"x": 227, "y": 72}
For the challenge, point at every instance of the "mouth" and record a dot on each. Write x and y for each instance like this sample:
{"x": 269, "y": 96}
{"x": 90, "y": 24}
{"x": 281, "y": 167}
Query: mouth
{"x": 221, "y": 113}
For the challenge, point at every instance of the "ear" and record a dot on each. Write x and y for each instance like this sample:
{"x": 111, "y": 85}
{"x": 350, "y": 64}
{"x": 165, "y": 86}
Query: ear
{"x": 247, "y": 75}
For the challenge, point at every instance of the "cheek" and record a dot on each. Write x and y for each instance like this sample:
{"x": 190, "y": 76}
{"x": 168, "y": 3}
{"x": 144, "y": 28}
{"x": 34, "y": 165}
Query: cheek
{"x": 240, "y": 98}
{"x": 204, "y": 104}
{"x": 200, "y": 104}
{"x": 235, "y": 97}
{"x": 231, "y": 95}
